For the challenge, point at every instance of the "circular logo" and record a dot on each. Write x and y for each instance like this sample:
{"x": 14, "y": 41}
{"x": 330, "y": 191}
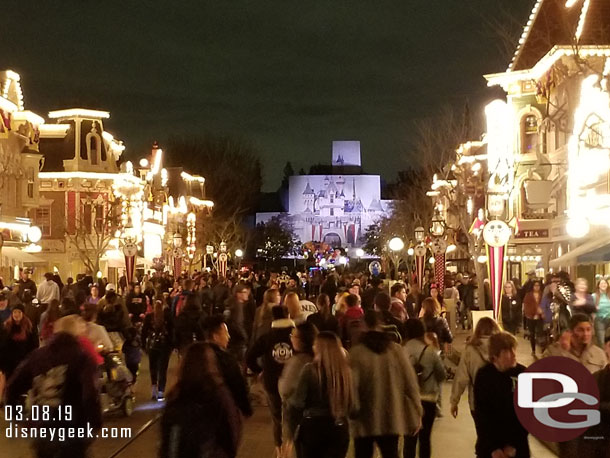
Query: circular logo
{"x": 130, "y": 249}
{"x": 375, "y": 268}
{"x": 439, "y": 246}
{"x": 557, "y": 399}
{"x": 177, "y": 252}
{"x": 420, "y": 250}
{"x": 223, "y": 257}
{"x": 281, "y": 352}
{"x": 496, "y": 233}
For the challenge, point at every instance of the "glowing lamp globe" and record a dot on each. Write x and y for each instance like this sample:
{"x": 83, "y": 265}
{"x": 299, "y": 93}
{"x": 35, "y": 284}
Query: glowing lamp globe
{"x": 359, "y": 252}
{"x": 410, "y": 251}
{"x": 396, "y": 244}
{"x": 431, "y": 260}
{"x": 343, "y": 260}
{"x": 482, "y": 259}
{"x": 239, "y": 253}
{"x": 34, "y": 234}
{"x": 577, "y": 228}
{"x": 420, "y": 234}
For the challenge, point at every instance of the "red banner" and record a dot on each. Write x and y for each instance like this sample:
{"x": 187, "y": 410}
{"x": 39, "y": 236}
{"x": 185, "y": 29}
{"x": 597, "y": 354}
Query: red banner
{"x": 130, "y": 267}
{"x": 495, "y": 269}
{"x": 439, "y": 272}
{"x": 177, "y": 266}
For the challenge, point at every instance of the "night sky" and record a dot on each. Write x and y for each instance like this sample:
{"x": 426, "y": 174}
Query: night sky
{"x": 289, "y": 76}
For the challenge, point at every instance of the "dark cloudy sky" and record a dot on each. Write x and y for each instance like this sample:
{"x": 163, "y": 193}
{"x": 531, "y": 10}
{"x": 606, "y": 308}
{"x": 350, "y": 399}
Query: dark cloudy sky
{"x": 289, "y": 76}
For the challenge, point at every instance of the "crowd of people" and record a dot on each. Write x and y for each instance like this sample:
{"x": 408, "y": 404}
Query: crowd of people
{"x": 339, "y": 358}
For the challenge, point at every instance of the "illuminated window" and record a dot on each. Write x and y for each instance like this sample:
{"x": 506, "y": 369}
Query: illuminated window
{"x": 42, "y": 219}
{"x": 530, "y": 137}
{"x": 30, "y": 180}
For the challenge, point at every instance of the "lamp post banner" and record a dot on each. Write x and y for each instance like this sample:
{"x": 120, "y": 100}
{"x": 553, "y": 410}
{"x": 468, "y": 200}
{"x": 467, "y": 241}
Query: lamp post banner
{"x": 439, "y": 271}
{"x": 420, "y": 262}
{"x": 177, "y": 254}
{"x": 495, "y": 270}
{"x": 222, "y": 264}
{"x": 130, "y": 250}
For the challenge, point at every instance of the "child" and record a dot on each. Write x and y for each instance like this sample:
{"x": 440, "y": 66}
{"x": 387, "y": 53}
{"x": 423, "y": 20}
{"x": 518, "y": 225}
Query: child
{"x": 132, "y": 349}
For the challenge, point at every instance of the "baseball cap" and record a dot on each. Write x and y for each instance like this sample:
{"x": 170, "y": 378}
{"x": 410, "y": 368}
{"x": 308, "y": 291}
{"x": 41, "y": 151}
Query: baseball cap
{"x": 110, "y": 287}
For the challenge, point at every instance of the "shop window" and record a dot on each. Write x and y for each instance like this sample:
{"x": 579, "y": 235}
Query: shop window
{"x": 42, "y": 219}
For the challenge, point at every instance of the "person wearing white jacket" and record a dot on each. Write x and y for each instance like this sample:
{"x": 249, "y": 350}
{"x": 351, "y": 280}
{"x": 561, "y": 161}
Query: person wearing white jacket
{"x": 474, "y": 357}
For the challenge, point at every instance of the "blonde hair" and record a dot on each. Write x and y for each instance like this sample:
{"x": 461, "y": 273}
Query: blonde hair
{"x": 341, "y": 306}
{"x": 333, "y": 370}
{"x": 293, "y": 304}
{"x": 431, "y": 307}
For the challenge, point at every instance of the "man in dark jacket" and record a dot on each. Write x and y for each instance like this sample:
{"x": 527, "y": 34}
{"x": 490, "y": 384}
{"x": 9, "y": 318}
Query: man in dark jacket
{"x": 499, "y": 431}
{"x": 61, "y": 374}
{"x": 188, "y": 324}
{"x": 368, "y": 296}
{"x": 216, "y": 333}
{"x": 391, "y": 324}
{"x": 275, "y": 348}
{"x": 240, "y": 319}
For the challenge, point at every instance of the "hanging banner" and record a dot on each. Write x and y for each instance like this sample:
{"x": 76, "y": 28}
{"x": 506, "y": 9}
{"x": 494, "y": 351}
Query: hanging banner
{"x": 130, "y": 250}
{"x": 439, "y": 247}
{"x": 420, "y": 263}
{"x": 222, "y": 264}
{"x": 495, "y": 271}
{"x": 496, "y": 235}
{"x": 177, "y": 255}
{"x": 439, "y": 272}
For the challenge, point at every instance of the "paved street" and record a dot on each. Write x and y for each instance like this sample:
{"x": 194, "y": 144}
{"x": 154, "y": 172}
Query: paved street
{"x": 452, "y": 438}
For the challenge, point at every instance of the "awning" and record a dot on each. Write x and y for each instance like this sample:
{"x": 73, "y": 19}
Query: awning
{"x": 587, "y": 250}
{"x": 116, "y": 258}
{"x": 20, "y": 255}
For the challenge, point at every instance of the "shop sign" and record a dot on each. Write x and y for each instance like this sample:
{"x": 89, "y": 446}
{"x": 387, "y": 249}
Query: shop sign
{"x": 532, "y": 234}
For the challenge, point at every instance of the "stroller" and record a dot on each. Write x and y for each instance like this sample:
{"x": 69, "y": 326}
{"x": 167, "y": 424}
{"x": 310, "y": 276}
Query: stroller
{"x": 117, "y": 388}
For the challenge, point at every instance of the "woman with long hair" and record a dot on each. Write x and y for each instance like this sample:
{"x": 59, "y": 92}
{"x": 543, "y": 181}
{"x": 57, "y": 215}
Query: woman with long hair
{"x": 21, "y": 339}
{"x": 533, "y": 313}
{"x": 474, "y": 357}
{"x": 510, "y": 308}
{"x": 602, "y": 317}
{"x": 157, "y": 332}
{"x": 323, "y": 319}
{"x": 582, "y": 301}
{"x": 263, "y": 316}
{"x": 302, "y": 338}
{"x": 200, "y": 419}
{"x": 324, "y": 398}
{"x": 435, "y": 323}
{"x": 434, "y": 294}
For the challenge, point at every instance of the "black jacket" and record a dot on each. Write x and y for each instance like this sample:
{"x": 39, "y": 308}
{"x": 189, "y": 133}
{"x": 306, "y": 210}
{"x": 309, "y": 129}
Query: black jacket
{"x": 439, "y": 326}
{"x": 188, "y": 327}
{"x": 494, "y": 412}
{"x": 206, "y": 425}
{"x": 65, "y": 364}
{"x": 148, "y": 331}
{"x": 275, "y": 349}
{"x": 234, "y": 379}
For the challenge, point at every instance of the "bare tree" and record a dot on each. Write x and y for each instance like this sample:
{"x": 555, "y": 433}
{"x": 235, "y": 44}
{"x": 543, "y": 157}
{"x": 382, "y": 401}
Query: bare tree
{"x": 92, "y": 233}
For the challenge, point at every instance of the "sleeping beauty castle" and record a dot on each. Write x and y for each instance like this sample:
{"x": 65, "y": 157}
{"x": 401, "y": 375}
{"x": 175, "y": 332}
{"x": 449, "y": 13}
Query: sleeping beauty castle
{"x": 337, "y": 208}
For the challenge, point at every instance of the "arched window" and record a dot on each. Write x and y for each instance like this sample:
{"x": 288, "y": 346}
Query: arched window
{"x": 529, "y": 133}
{"x": 94, "y": 146}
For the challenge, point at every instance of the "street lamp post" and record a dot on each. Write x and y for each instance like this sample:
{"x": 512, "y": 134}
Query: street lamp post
{"x": 239, "y": 254}
{"x": 177, "y": 253}
{"x": 396, "y": 245}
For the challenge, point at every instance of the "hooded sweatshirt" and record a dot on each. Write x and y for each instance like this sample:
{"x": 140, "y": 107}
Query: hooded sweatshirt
{"x": 275, "y": 349}
{"x": 473, "y": 358}
{"x": 383, "y": 376}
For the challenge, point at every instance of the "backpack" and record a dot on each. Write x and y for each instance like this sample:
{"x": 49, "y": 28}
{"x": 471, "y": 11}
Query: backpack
{"x": 157, "y": 339}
